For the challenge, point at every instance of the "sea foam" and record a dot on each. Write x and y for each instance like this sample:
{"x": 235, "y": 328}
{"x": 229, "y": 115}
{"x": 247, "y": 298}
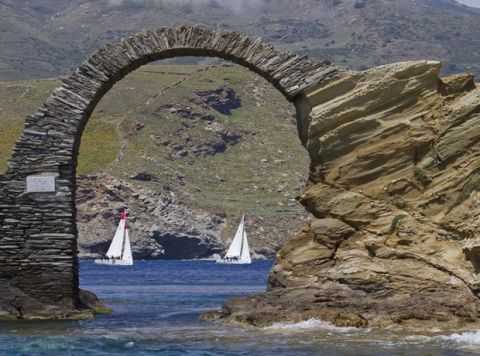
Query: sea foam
{"x": 469, "y": 337}
{"x": 310, "y": 324}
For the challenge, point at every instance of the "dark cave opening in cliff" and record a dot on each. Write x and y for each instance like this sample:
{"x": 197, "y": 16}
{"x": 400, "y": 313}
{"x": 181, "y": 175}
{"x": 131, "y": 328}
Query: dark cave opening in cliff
{"x": 188, "y": 148}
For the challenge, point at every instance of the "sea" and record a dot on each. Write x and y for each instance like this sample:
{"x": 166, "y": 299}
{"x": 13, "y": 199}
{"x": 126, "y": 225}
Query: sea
{"x": 156, "y": 307}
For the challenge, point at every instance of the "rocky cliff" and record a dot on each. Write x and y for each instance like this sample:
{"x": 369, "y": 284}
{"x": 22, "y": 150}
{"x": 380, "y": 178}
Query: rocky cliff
{"x": 161, "y": 226}
{"x": 393, "y": 193}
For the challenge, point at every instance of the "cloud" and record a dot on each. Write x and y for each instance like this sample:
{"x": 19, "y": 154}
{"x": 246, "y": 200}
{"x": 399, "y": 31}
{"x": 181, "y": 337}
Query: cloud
{"x": 472, "y": 3}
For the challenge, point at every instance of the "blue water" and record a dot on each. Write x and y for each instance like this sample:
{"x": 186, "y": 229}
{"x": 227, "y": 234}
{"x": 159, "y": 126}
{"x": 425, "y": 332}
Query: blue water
{"x": 156, "y": 307}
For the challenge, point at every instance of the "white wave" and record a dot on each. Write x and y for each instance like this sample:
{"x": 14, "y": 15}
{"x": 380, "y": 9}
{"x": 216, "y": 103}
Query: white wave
{"x": 310, "y": 324}
{"x": 469, "y": 337}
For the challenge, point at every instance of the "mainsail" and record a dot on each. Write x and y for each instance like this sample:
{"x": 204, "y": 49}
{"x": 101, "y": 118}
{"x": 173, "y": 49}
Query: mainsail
{"x": 115, "y": 249}
{"x": 235, "y": 249}
{"x": 239, "y": 251}
{"x": 119, "y": 252}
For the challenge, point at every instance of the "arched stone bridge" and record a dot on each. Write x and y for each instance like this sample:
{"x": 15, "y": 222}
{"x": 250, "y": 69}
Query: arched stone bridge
{"x": 38, "y": 234}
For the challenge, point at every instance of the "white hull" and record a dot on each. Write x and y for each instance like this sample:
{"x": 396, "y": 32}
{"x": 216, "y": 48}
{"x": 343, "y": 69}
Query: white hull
{"x": 113, "y": 262}
{"x": 233, "y": 262}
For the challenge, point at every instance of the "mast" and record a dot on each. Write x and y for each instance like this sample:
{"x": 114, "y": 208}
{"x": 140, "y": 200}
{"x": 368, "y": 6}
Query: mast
{"x": 243, "y": 235}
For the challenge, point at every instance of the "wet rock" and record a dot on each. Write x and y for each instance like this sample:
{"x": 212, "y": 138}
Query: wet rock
{"x": 181, "y": 246}
{"x": 264, "y": 253}
{"x": 148, "y": 249}
{"x": 90, "y": 300}
{"x": 15, "y": 304}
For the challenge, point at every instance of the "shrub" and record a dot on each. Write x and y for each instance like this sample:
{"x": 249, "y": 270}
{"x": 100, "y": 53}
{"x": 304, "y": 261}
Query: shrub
{"x": 396, "y": 219}
{"x": 421, "y": 176}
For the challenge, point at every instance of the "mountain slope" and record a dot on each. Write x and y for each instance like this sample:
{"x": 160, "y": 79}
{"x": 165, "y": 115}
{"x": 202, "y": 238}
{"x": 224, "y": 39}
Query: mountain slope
{"x": 49, "y": 39}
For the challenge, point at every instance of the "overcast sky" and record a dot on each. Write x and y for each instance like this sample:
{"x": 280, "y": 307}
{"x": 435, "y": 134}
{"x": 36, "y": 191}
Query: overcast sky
{"x": 473, "y": 3}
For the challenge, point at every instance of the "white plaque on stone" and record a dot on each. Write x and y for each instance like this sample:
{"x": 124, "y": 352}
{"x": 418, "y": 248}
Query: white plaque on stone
{"x": 40, "y": 184}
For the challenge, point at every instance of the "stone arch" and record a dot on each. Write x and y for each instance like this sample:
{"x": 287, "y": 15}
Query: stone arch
{"x": 38, "y": 229}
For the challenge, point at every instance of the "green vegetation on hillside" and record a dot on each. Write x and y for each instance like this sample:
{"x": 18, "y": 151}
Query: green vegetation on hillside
{"x": 18, "y": 99}
{"x": 137, "y": 127}
{"x": 9, "y": 133}
{"x": 99, "y": 147}
{"x": 100, "y": 142}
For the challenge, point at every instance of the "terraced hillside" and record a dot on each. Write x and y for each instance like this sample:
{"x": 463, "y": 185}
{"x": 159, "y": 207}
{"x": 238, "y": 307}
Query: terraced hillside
{"x": 187, "y": 149}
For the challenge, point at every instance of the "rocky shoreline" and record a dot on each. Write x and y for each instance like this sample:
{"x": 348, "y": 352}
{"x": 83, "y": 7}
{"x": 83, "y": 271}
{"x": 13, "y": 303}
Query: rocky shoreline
{"x": 16, "y": 305}
{"x": 394, "y": 196}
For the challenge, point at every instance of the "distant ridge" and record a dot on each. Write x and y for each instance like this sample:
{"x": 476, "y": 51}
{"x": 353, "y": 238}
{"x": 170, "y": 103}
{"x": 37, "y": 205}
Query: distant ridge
{"x": 471, "y": 3}
{"x": 50, "y": 38}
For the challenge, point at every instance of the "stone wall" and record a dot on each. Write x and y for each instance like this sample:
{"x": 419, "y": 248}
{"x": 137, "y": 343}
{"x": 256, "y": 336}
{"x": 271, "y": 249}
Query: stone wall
{"x": 38, "y": 235}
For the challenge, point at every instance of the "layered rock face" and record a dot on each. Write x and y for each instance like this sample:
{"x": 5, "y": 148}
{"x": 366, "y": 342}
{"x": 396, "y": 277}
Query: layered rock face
{"x": 393, "y": 193}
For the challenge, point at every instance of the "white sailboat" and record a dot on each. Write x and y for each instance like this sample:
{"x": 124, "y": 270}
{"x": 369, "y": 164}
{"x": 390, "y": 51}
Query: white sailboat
{"x": 119, "y": 253}
{"x": 238, "y": 252}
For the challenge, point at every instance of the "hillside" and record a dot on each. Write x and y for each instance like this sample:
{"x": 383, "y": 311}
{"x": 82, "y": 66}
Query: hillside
{"x": 187, "y": 149}
{"x": 48, "y": 38}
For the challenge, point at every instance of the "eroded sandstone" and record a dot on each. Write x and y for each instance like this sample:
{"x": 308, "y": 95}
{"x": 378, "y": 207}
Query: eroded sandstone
{"x": 394, "y": 203}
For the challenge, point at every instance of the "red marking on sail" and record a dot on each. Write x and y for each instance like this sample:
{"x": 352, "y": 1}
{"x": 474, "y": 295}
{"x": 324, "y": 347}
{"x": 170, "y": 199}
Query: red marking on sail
{"x": 124, "y": 217}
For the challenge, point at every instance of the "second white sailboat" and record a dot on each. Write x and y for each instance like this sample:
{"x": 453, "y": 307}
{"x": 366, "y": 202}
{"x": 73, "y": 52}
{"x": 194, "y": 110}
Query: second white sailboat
{"x": 239, "y": 251}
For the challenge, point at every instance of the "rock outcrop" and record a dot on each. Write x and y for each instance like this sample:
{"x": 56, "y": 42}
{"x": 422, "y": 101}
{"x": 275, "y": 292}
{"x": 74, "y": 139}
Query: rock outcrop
{"x": 15, "y": 304}
{"x": 223, "y": 99}
{"x": 197, "y": 116}
{"x": 395, "y": 160}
